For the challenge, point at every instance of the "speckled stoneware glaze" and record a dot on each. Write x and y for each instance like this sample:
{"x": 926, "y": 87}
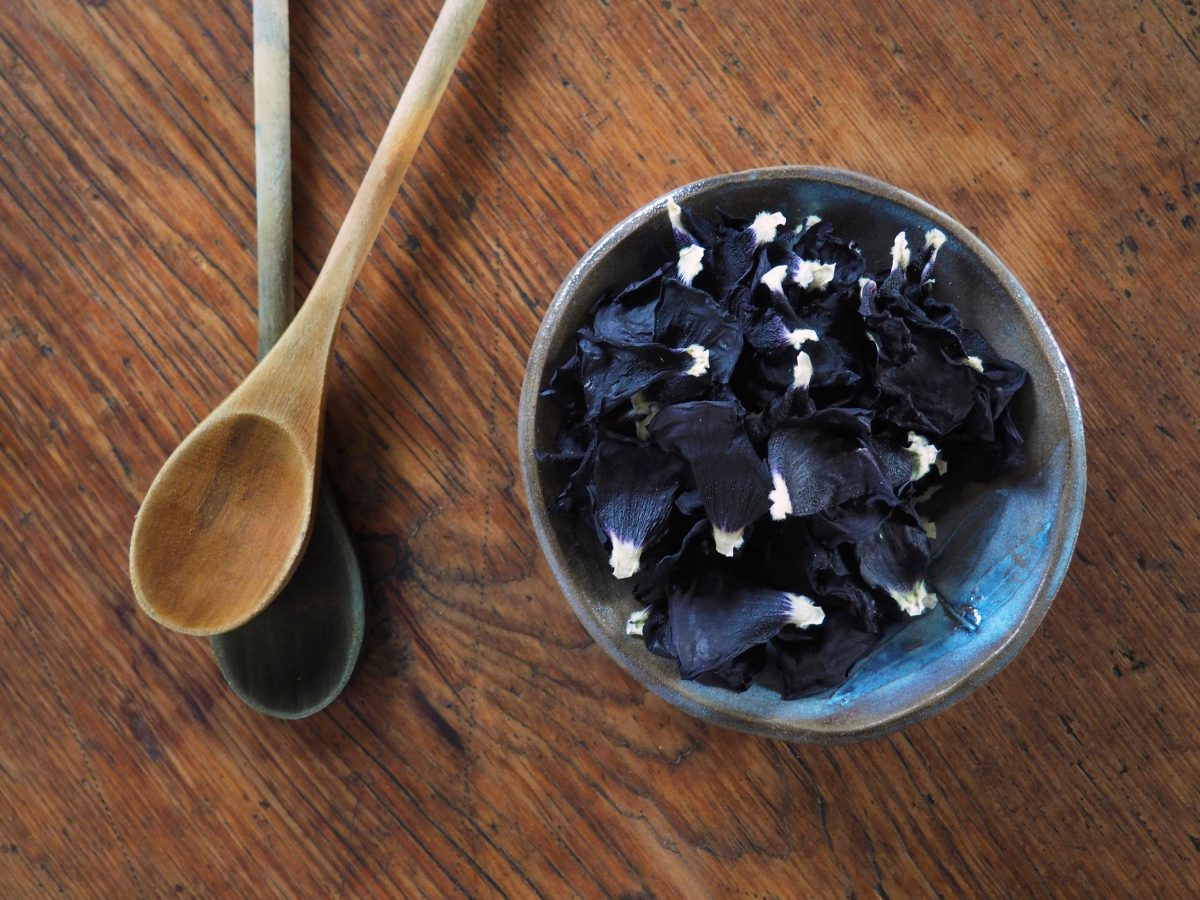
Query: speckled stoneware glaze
{"x": 1001, "y": 548}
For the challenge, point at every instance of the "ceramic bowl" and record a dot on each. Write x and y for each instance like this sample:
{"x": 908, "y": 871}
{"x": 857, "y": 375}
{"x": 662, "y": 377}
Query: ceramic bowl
{"x": 1001, "y": 548}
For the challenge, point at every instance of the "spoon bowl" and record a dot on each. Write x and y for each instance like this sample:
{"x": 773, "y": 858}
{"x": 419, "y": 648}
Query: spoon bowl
{"x": 246, "y": 527}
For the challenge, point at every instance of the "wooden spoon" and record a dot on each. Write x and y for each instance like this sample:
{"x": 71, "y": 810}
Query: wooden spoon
{"x": 296, "y": 656}
{"x": 227, "y": 518}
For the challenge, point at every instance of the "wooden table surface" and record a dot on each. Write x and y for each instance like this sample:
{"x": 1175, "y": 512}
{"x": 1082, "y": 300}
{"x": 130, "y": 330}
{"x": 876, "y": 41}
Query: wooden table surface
{"x": 485, "y": 745}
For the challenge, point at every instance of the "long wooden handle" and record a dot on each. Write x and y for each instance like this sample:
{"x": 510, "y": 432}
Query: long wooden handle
{"x": 404, "y": 133}
{"x": 273, "y": 170}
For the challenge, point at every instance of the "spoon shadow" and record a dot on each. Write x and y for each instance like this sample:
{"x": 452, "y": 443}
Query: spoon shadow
{"x": 295, "y": 657}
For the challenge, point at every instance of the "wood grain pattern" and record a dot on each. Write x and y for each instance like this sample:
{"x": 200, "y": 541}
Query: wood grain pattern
{"x": 485, "y": 746}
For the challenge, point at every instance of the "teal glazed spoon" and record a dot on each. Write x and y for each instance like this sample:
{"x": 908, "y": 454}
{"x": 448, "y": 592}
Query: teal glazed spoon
{"x": 295, "y": 657}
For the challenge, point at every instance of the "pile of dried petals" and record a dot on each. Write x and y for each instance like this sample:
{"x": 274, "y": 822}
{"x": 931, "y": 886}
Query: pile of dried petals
{"x": 752, "y": 428}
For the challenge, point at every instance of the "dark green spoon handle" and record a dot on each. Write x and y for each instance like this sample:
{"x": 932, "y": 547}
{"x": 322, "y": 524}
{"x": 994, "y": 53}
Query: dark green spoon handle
{"x": 273, "y": 170}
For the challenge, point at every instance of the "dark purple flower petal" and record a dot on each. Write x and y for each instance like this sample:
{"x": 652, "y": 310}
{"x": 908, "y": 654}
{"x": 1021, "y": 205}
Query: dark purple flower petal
{"x": 786, "y": 556}
{"x": 908, "y": 463}
{"x": 821, "y": 658}
{"x": 684, "y": 548}
{"x": 689, "y": 318}
{"x": 818, "y": 242}
{"x": 823, "y": 463}
{"x": 628, "y": 317}
{"x": 793, "y": 407}
{"x": 985, "y": 451}
{"x": 689, "y": 228}
{"x": 931, "y": 393}
{"x": 650, "y": 624}
{"x": 575, "y": 494}
{"x": 739, "y": 673}
{"x": 612, "y": 373}
{"x": 690, "y": 503}
{"x": 566, "y": 389}
{"x": 730, "y": 475}
{"x": 720, "y": 616}
{"x": 621, "y": 324}
{"x": 802, "y": 555}
{"x": 895, "y": 560}
{"x": 850, "y": 523}
{"x": 633, "y": 491}
{"x": 733, "y": 258}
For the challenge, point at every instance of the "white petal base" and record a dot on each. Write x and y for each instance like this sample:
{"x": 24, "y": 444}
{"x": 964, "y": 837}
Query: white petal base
{"x": 636, "y": 622}
{"x": 626, "y": 558}
{"x": 726, "y": 542}
{"x": 804, "y": 612}
{"x": 781, "y": 500}
{"x": 916, "y": 601}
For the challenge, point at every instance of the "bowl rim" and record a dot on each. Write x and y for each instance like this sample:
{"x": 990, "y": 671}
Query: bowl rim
{"x": 1064, "y": 530}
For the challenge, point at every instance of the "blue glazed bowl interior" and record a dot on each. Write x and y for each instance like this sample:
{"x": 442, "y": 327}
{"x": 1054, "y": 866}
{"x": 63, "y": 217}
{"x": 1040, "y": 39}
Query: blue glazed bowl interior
{"x": 1001, "y": 549}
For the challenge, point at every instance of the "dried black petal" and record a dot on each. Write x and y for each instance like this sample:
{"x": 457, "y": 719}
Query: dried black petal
{"x": 785, "y": 556}
{"x": 849, "y": 523}
{"x": 685, "y": 548}
{"x": 983, "y": 450}
{"x": 688, "y": 317}
{"x": 629, "y": 316}
{"x": 720, "y": 616}
{"x": 820, "y": 659}
{"x": 733, "y": 258}
{"x": 822, "y": 463}
{"x": 575, "y": 494}
{"x": 622, "y": 324}
{"x": 566, "y": 390}
{"x": 633, "y": 491}
{"x": 895, "y": 560}
{"x": 802, "y": 555}
{"x": 739, "y": 673}
{"x": 932, "y": 392}
{"x": 818, "y": 242}
{"x": 730, "y": 475}
{"x": 613, "y": 372}
{"x": 692, "y": 228}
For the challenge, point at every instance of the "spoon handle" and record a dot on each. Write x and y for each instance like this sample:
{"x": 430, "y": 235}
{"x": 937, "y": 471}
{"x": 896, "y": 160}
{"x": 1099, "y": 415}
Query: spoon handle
{"x": 273, "y": 170}
{"x": 404, "y": 133}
